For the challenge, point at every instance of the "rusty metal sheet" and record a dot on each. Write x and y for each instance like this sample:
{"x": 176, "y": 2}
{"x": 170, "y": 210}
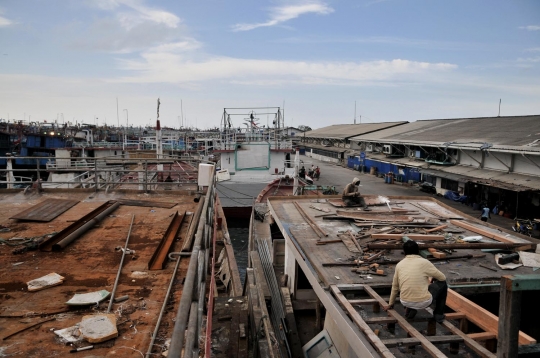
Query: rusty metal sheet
{"x": 148, "y": 203}
{"x": 45, "y": 211}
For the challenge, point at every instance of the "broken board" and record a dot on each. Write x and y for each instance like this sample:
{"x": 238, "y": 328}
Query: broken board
{"x": 98, "y": 328}
{"x": 45, "y": 211}
{"x": 370, "y": 217}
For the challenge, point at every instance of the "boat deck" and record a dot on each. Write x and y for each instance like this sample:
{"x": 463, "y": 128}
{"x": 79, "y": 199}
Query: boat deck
{"x": 90, "y": 264}
{"x": 326, "y": 259}
{"x": 335, "y": 246}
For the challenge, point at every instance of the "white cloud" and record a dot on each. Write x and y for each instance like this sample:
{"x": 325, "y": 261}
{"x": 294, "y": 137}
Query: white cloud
{"x": 4, "y": 22}
{"x": 282, "y": 14}
{"x": 160, "y": 65}
{"x": 132, "y": 26}
{"x": 529, "y": 60}
{"x": 137, "y": 13}
{"x": 530, "y": 28}
{"x": 533, "y": 49}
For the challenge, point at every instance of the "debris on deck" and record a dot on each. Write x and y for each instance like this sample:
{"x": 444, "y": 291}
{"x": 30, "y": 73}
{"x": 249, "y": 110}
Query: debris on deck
{"x": 50, "y": 280}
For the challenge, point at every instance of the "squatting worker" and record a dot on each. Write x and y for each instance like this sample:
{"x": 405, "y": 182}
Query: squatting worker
{"x": 351, "y": 196}
{"x": 412, "y": 280}
{"x": 485, "y": 213}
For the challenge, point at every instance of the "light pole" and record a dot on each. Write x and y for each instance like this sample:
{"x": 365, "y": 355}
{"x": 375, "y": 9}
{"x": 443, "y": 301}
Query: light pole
{"x": 127, "y": 117}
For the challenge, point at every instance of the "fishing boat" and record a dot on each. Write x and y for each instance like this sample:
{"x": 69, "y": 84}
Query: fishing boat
{"x": 320, "y": 275}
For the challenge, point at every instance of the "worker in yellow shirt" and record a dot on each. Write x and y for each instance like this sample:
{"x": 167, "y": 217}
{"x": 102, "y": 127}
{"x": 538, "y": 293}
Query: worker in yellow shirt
{"x": 419, "y": 283}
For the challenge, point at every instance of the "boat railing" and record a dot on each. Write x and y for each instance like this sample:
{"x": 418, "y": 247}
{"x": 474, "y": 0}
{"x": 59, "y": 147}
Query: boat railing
{"x": 234, "y": 142}
{"x": 145, "y": 174}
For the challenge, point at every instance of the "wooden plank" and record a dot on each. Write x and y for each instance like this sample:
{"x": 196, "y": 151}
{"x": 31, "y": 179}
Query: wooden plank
{"x": 455, "y": 315}
{"x": 438, "y": 246}
{"x": 260, "y": 280}
{"x": 469, "y": 342}
{"x": 486, "y": 233}
{"x": 357, "y": 319}
{"x": 426, "y": 344}
{"x": 320, "y": 232}
{"x": 394, "y": 342}
{"x": 394, "y": 218}
{"x": 363, "y": 301}
{"x": 510, "y": 317}
{"x": 375, "y": 296}
{"x": 480, "y": 316}
{"x": 437, "y": 228}
{"x": 416, "y": 237}
{"x": 294, "y": 339}
{"x": 347, "y": 240}
{"x": 482, "y": 336}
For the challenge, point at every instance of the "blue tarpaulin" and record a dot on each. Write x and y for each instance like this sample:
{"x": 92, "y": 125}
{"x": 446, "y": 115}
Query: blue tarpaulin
{"x": 356, "y": 163}
{"x": 452, "y": 195}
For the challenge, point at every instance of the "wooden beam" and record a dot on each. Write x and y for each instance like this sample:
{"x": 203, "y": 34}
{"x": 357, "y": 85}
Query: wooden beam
{"x": 482, "y": 336}
{"x": 510, "y": 317}
{"x": 416, "y": 237}
{"x": 394, "y": 342}
{"x": 486, "y": 233}
{"x": 480, "y": 316}
{"x": 426, "y": 344}
{"x": 437, "y": 228}
{"x": 380, "y": 320}
{"x": 259, "y": 275}
{"x": 473, "y": 246}
{"x": 469, "y": 342}
{"x": 455, "y": 315}
{"x": 357, "y": 319}
{"x": 320, "y": 232}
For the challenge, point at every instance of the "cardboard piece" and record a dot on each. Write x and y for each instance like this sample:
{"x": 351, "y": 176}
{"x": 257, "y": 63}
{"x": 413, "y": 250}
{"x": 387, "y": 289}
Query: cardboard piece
{"x": 529, "y": 259}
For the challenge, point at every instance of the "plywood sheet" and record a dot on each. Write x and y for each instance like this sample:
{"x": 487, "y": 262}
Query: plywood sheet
{"x": 45, "y": 211}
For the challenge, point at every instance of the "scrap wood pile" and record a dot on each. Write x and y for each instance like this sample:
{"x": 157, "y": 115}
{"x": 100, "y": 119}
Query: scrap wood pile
{"x": 380, "y": 232}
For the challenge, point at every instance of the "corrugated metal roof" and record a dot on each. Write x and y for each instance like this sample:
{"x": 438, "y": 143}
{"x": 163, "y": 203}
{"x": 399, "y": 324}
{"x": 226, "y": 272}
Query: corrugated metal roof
{"x": 344, "y": 131}
{"x": 522, "y": 131}
{"x": 322, "y": 147}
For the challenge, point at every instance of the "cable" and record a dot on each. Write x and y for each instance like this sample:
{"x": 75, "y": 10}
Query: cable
{"x": 236, "y": 191}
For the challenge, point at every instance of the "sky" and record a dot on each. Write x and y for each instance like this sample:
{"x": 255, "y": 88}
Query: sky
{"x": 323, "y": 62}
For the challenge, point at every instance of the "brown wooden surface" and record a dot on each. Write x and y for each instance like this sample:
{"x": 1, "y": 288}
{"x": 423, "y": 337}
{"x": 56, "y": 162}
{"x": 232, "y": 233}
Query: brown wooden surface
{"x": 469, "y": 342}
{"x": 416, "y": 237}
{"x": 426, "y": 344}
{"x": 480, "y": 316}
{"x": 357, "y": 319}
{"x": 486, "y": 232}
{"x": 226, "y": 321}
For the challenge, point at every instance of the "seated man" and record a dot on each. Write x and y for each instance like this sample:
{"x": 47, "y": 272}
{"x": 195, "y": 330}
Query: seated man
{"x": 412, "y": 280}
{"x": 351, "y": 195}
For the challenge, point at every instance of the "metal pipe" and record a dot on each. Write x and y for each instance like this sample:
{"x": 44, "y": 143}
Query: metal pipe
{"x": 165, "y": 300}
{"x": 120, "y": 267}
{"x": 191, "y": 333}
{"x": 200, "y": 308}
{"x": 177, "y": 341}
{"x": 75, "y": 235}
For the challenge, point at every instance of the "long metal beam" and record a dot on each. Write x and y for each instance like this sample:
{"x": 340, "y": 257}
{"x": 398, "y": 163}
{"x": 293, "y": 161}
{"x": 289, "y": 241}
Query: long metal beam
{"x": 79, "y": 227}
{"x": 157, "y": 261}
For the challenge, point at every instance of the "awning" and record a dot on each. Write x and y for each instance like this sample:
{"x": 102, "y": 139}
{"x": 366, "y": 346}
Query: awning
{"x": 509, "y": 181}
{"x": 330, "y": 149}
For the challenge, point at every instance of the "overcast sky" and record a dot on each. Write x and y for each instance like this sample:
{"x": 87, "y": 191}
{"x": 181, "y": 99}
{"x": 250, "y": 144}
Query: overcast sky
{"x": 398, "y": 59}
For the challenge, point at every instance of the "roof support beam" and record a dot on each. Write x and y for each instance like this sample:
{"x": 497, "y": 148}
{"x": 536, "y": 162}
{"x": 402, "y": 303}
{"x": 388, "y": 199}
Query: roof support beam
{"x": 451, "y": 156}
{"x": 503, "y": 163}
{"x": 470, "y": 156}
{"x": 530, "y": 160}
